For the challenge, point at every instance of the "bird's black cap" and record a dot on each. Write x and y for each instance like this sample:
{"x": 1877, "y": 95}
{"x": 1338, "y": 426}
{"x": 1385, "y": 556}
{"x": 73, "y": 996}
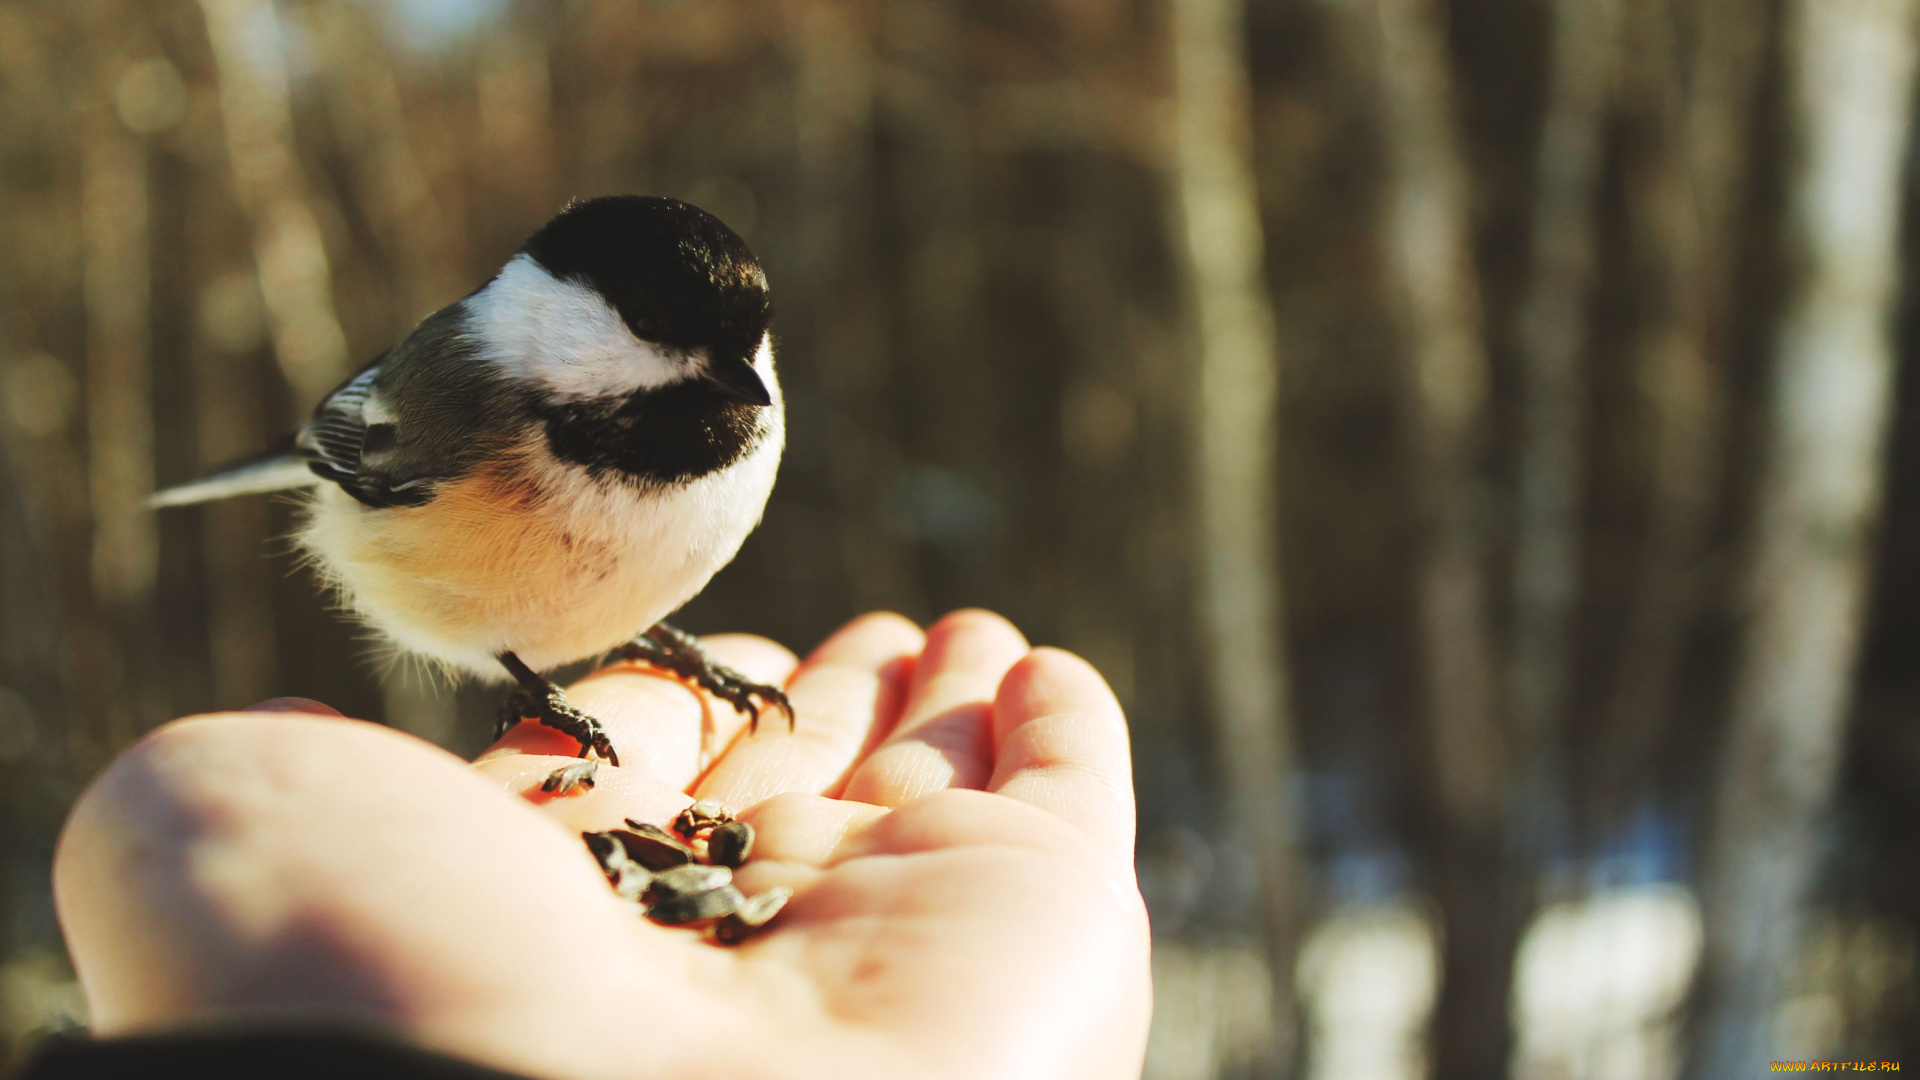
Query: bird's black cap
{"x": 681, "y": 279}
{"x": 675, "y": 273}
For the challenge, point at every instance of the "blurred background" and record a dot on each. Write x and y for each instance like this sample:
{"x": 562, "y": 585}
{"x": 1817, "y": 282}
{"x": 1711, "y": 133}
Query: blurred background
{"x": 1469, "y": 435}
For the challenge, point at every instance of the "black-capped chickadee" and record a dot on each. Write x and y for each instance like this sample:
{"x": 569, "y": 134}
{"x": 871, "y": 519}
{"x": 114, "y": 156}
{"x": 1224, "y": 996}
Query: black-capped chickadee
{"x": 557, "y": 461}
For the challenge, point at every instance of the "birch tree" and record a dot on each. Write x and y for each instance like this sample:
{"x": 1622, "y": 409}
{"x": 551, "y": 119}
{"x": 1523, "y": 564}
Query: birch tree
{"x": 117, "y": 286}
{"x": 295, "y": 279}
{"x": 1852, "y": 64}
{"x": 1234, "y": 461}
{"x": 1553, "y": 334}
{"x": 1684, "y": 195}
{"x": 1429, "y": 258}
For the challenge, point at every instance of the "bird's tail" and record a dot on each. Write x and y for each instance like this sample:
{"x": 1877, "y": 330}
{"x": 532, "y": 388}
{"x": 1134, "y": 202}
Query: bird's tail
{"x": 279, "y": 469}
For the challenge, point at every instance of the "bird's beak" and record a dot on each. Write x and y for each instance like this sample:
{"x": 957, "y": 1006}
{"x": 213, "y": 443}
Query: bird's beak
{"x": 736, "y": 377}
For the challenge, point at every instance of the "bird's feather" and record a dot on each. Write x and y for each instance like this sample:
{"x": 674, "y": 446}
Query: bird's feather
{"x": 278, "y": 470}
{"x": 332, "y": 440}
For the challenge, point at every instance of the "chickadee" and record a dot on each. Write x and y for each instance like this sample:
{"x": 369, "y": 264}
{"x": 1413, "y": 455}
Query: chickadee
{"x": 559, "y": 460}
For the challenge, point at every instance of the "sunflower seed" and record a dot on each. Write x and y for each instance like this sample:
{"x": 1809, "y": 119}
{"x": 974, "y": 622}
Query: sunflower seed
{"x": 606, "y": 848}
{"x": 652, "y": 846}
{"x": 688, "y": 880}
{"x": 758, "y": 911}
{"x": 703, "y": 814}
{"x": 697, "y": 907}
{"x": 730, "y": 844}
{"x": 565, "y": 779}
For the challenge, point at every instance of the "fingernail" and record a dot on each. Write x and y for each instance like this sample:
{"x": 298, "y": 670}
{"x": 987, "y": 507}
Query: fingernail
{"x": 294, "y": 704}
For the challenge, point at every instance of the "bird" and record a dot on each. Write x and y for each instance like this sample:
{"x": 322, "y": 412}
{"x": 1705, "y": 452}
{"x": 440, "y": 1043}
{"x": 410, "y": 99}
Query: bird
{"x": 541, "y": 472}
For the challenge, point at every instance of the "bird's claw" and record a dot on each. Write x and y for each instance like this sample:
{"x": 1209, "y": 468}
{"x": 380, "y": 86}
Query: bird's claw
{"x": 538, "y": 699}
{"x": 680, "y": 653}
{"x": 734, "y": 689}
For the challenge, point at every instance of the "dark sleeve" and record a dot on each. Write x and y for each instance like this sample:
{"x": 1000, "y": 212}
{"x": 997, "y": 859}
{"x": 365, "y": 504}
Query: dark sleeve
{"x": 249, "y": 1055}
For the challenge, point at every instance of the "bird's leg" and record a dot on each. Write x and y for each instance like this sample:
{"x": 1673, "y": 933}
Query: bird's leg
{"x": 676, "y": 651}
{"x": 539, "y": 699}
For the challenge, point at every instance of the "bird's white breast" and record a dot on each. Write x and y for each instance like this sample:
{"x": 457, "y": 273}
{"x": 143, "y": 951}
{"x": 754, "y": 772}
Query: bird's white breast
{"x": 535, "y": 556}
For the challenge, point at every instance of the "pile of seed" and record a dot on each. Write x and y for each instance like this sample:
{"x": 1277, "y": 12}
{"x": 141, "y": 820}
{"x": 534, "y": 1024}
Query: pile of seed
{"x": 685, "y": 877}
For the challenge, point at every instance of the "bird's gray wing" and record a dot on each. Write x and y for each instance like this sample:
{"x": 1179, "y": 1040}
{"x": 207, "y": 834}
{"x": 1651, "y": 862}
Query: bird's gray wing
{"x": 358, "y": 448}
{"x": 332, "y": 442}
{"x": 338, "y": 444}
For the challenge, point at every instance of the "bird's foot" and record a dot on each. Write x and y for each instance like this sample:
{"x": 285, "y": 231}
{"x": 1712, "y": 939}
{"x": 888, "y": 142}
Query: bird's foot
{"x": 539, "y": 699}
{"x": 673, "y": 650}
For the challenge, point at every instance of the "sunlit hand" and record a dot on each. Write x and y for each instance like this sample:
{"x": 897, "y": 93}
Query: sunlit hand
{"x": 955, "y": 815}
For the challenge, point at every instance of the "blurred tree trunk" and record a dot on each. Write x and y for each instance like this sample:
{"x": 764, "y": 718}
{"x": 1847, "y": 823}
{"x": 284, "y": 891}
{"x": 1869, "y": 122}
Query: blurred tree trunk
{"x": 116, "y": 291}
{"x": 34, "y": 762}
{"x": 1852, "y": 65}
{"x": 49, "y": 470}
{"x": 295, "y": 280}
{"x": 411, "y": 223}
{"x": 1235, "y": 482}
{"x": 119, "y": 389}
{"x": 834, "y": 76}
{"x": 1554, "y": 330}
{"x": 229, "y": 407}
{"x": 1684, "y": 195}
{"x": 513, "y": 85}
{"x": 1554, "y": 335}
{"x": 953, "y": 390}
{"x": 1428, "y": 236}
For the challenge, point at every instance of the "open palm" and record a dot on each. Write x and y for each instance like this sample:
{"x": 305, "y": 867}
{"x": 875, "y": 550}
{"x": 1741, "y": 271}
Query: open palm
{"x": 954, "y": 813}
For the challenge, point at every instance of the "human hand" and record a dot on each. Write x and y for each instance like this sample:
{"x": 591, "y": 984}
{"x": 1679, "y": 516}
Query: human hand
{"x": 955, "y": 814}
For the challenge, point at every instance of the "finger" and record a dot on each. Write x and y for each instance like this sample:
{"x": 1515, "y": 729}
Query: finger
{"x": 797, "y": 836}
{"x": 806, "y": 829}
{"x": 1060, "y": 743}
{"x": 294, "y": 705}
{"x": 241, "y": 865}
{"x": 943, "y": 739}
{"x": 616, "y": 794}
{"x": 656, "y": 722}
{"x": 846, "y": 698}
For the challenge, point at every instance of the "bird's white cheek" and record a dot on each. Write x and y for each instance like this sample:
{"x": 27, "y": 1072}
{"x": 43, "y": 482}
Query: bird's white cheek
{"x": 563, "y": 336}
{"x": 763, "y": 365}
